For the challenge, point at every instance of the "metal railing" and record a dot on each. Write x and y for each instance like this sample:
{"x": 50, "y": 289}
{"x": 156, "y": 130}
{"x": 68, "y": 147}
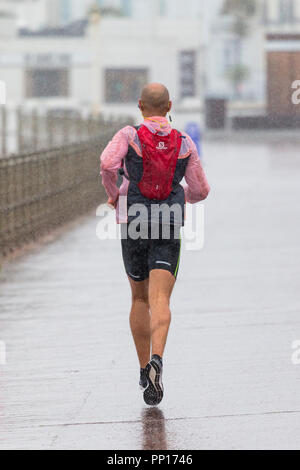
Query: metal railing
{"x": 23, "y": 130}
{"x": 42, "y": 190}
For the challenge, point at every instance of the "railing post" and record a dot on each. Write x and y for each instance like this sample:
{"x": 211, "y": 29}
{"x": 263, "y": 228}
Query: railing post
{"x": 50, "y": 130}
{"x": 20, "y": 130}
{"x": 40, "y": 191}
{"x": 66, "y": 128}
{"x": 79, "y": 128}
{"x": 3, "y": 130}
{"x": 34, "y": 129}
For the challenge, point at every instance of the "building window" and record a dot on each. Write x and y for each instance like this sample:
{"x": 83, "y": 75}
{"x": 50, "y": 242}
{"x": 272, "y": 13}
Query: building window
{"x": 162, "y": 8}
{"x": 124, "y": 85}
{"x": 286, "y": 11}
{"x": 231, "y": 55}
{"x": 126, "y": 7}
{"x": 187, "y": 64}
{"x": 265, "y": 12}
{"x": 66, "y": 11}
{"x": 47, "y": 83}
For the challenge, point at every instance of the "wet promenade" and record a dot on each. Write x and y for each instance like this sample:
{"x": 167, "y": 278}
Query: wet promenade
{"x": 71, "y": 376}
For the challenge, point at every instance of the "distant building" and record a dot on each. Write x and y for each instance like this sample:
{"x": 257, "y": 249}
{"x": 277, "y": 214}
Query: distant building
{"x": 284, "y": 13}
{"x": 28, "y": 13}
{"x": 55, "y": 13}
{"x": 228, "y": 53}
{"x": 282, "y": 25}
{"x": 103, "y": 64}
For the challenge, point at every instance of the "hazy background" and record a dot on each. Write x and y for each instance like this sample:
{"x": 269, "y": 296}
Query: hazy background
{"x": 71, "y": 73}
{"x": 93, "y": 57}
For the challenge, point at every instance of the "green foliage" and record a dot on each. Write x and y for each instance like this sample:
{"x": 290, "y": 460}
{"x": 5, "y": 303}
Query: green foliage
{"x": 240, "y": 27}
{"x": 104, "y": 11}
{"x": 237, "y": 74}
{"x": 241, "y": 11}
{"x": 240, "y": 7}
{"x": 110, "y": 11}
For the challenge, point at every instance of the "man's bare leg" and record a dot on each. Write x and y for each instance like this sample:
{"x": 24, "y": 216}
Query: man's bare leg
{"x": 140, "y": 320}
{"x": 160, "y": 290}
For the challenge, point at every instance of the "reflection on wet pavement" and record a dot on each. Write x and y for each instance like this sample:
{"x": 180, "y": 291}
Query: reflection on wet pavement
{"x": 284, "y": 158}
{"x": 154, "y": 429}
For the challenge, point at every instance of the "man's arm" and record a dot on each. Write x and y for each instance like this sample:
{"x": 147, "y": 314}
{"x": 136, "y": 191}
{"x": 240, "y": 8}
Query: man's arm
{"x": 111, "y": 161}
{"x": 197, "y": 188}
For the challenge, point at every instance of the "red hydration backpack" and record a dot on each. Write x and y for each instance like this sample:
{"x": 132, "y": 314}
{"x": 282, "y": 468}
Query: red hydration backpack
{"x": 160, "y": 155}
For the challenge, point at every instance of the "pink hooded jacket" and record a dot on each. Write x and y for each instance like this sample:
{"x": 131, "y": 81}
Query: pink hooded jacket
{"x": 197, "y": 188}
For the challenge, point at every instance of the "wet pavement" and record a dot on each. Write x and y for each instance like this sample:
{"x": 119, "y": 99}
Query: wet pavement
{"x": 71, "y": 376}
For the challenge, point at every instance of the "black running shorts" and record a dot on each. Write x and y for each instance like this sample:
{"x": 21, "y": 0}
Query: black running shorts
{"x": 143, "y": 255}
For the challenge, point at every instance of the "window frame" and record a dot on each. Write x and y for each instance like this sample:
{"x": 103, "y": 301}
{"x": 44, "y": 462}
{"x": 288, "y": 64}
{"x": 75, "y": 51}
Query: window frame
{"x": 125, "y": 77}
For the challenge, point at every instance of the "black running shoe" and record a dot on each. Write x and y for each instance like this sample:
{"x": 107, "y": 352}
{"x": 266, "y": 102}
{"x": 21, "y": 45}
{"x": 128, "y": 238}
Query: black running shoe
{"x": 154, "y": 392}
{"x": 143, "y": 379}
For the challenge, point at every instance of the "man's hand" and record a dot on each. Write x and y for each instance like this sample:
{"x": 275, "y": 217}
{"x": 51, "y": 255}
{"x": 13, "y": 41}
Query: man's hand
{"x": 113, "y": 204}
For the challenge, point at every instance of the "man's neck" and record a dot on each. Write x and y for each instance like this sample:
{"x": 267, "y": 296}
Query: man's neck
{"x": 154, "y": 116}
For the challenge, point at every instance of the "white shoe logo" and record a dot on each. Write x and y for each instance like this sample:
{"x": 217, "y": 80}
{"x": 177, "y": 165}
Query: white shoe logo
{"x": 161, "y": 146}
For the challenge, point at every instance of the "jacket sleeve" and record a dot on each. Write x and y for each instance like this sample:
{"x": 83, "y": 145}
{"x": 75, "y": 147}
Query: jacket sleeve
{"x": 197, "y": 188}
{"x": 111, "y": 161}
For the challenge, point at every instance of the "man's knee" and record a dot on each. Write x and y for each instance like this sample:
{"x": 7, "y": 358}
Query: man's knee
{"x": 159, "y": 300}
{"x": 140, "y": 298}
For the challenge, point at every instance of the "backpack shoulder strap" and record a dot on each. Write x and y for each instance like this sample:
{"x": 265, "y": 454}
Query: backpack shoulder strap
{"x": 121, "y": 170}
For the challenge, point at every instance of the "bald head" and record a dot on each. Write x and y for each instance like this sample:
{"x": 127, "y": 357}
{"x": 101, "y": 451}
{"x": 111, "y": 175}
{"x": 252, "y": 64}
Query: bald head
{"x": 155, "y": 99}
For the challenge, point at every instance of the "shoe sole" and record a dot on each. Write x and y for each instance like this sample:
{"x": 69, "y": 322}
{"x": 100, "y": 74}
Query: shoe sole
{"x": 143, "y": 388}
{"x": 154, "y": 393}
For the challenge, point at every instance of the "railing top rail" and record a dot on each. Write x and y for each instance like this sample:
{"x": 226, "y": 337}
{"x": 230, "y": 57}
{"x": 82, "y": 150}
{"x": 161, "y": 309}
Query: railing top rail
{"x": 58, "y": 150}
{"x": 27, "y": 132}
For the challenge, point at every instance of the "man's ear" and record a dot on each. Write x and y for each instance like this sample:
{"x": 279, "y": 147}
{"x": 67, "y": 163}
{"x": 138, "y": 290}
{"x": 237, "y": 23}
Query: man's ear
{"x": 170, "y": 106}
{"x": 140, "y": 105}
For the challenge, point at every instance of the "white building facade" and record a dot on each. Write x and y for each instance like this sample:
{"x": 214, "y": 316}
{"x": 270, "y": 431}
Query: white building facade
{"x": 103, "y": 63}
{"x": 226, "y": 51}
{"x": 35, "y": 14}
{"x": 104, "y": 68}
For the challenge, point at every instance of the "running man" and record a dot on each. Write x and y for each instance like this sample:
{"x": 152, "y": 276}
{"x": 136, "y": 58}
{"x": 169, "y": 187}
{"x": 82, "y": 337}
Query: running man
{"x": 152, "y": 159}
